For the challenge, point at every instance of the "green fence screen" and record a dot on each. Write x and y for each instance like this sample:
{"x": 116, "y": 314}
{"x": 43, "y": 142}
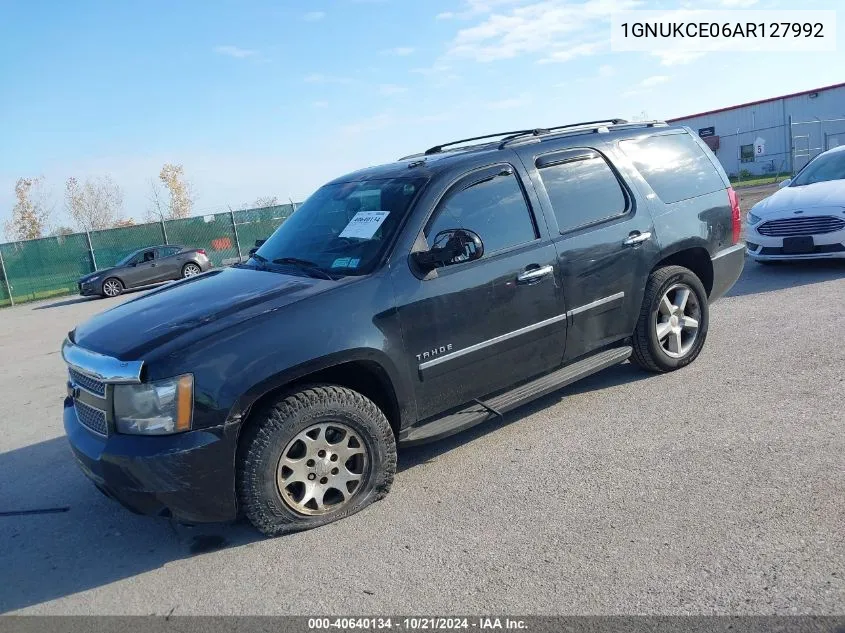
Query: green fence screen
{"x": 50, "y": 266}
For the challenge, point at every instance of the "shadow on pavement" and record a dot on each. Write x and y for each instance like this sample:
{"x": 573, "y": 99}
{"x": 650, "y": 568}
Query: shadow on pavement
{"x": 65, "y": 302}
{"x": 61, "y": 536}
{"x": 78, "y": 539}
{"x": 610, "y": 377}
{"x": 757, "y": 278}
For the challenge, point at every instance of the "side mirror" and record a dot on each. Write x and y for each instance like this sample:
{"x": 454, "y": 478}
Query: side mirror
{"x": 784, "y": 183}
{"x": 452, "y": 246}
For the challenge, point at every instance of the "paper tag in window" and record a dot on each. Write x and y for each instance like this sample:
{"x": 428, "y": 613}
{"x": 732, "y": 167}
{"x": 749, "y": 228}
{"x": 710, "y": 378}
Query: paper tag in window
{"x": 364, "y": 224}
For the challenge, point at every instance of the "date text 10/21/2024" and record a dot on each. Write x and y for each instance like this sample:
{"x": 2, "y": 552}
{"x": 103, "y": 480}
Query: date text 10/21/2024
{"x": 416, "y": 623}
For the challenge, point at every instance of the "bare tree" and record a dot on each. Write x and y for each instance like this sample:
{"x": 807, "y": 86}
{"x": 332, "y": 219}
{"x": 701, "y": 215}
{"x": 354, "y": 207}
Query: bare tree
{"x": 181, "y": 201}
{"x": 261, "y": 202}
{"x": 62, "y": 230}
{"x": 95, "y": 204}
{"x": 157, "y": 207}
{"x": 31, "y": 213}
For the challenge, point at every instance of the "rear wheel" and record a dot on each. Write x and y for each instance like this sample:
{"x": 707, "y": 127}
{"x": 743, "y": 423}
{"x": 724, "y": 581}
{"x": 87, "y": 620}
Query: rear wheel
{"x": 112, "y": 287}
{"x": 672, "y": 326}
{"x": 312, "y": 457}
{"x": 190, "y": 270}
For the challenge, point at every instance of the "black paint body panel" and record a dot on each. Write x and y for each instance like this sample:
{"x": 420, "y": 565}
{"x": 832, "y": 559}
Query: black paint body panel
{"x": 243, "y": 332}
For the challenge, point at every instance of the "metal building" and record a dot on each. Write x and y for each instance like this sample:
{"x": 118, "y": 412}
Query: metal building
{"x": 773, "y": 135}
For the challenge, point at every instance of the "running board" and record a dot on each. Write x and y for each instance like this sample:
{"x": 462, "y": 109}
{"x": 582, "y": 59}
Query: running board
{"x": 479, "y": 411}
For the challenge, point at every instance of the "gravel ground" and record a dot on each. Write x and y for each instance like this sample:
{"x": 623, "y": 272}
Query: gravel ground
{"x": 715, "y": 489}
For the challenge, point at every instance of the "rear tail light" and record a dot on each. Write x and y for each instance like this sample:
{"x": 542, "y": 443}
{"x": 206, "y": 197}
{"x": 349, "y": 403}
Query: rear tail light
{"x": 736, "y": 220}
{"x": 201, "y": 251}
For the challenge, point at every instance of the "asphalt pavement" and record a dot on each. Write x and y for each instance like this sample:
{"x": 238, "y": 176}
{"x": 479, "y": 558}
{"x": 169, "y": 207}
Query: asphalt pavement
{"x": 712, "y": 490}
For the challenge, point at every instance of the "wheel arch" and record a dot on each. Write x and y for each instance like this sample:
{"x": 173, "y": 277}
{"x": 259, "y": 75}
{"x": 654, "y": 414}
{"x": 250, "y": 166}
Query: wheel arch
{"x": 693, "y": 256}
{"x": 365, "y": 371}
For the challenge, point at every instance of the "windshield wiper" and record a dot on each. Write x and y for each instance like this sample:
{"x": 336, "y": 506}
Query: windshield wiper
{"x": 305, "y": 265}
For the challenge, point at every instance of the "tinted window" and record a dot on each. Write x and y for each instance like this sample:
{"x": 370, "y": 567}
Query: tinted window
{"x": 148, "y": 256}
{"x": 343, "y": 228}
{"x": 583, "y": 191}
{"x": 674, "y": 166}
{"x": 495, "y": 208}
{"x": 167, "y": 251}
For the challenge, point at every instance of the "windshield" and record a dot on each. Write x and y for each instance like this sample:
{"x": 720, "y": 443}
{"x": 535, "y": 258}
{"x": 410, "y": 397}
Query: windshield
{"x": 127, "y": 259}
{"x": 825, "y": 167}
{"x": 342, "y": 228}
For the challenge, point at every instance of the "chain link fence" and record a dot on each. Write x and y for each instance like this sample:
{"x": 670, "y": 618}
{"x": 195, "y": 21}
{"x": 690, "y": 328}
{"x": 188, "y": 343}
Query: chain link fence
{"x": 51, "y": 266}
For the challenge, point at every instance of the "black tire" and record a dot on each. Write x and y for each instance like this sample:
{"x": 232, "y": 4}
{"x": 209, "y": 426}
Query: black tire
{"x": 275, "y": 426}
{"x": 648, "y": 352}
{"x": 113, "y": 282}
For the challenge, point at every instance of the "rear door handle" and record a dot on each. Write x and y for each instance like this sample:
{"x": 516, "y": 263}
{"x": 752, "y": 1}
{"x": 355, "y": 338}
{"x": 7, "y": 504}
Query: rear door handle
{"x": 637, "y": 238}
{"x": 534, "y": 274}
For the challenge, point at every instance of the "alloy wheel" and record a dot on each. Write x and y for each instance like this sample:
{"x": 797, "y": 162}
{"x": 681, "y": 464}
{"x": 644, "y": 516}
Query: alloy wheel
{"x": 111, "y": 288}
{"x": 678, "y": 318}
{"x": 322, "y": 468}
{"x": 191, "y": 270}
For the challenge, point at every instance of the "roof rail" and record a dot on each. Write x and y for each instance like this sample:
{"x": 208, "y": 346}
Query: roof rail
{"x": 509, "y": 137}
{"x": 439, "y": 148}
{"x": 590, "y": 126}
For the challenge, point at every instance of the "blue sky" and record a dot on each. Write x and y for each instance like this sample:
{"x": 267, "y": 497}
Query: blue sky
{"x": 274, "y": 97}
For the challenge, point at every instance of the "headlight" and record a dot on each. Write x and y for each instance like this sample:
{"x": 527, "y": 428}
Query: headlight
{"x": 155, "y": 408}
{"x": 752, "y": 219}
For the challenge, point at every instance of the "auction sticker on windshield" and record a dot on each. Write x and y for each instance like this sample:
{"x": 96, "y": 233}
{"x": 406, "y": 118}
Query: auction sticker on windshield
{"x": 364, "y": 224}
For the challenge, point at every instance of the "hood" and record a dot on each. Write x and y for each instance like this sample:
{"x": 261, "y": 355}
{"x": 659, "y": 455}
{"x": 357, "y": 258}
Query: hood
{"x": 821, "y": 194}
{"x": 221, "y": 297}
{"x": 96, "y": 273}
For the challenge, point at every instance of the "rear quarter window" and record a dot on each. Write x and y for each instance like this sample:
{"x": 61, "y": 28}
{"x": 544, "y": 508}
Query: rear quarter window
{"x": 674, "y": 166}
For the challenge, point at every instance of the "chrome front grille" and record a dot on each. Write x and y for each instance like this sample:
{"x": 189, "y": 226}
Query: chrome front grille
{"x": 86, "y": 382}
{"x": 92, "y": 418}
{"x": 810, "y": 225}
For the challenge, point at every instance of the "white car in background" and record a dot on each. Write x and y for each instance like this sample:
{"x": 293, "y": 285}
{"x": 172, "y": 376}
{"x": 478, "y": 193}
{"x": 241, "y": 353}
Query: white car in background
{"x": 806, "y": 218}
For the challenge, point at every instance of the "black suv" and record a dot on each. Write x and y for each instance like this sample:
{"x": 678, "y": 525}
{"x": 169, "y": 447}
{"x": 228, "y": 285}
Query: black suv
{"x": 398, "y": 305}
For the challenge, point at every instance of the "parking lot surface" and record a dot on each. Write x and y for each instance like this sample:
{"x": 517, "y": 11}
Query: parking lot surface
{"x": 715, "y": 489}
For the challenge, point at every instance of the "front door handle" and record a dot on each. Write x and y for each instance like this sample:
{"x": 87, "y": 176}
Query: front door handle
{"x": 534, "y": 274}
{"x": 637, "y": 238}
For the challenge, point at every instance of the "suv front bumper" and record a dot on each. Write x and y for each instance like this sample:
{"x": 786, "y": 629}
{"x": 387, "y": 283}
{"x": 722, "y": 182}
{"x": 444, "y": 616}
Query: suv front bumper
{"x": 189, "y": 476}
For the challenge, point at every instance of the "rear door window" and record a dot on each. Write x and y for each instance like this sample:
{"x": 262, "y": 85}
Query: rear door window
{"x": 674, "y": 166}
{"x": 167, "y": 251}
{"x": 582, "y": 188}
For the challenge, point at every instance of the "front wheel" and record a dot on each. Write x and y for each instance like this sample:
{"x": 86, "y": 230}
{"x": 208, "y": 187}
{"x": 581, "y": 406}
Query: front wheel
{"x": 312, "y": 457}
{"x": 112, "y": 287}
{"x": 672, "y": 326}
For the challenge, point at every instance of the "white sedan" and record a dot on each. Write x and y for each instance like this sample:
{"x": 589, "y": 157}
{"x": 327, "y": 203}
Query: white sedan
{"x": 806, "y": 218}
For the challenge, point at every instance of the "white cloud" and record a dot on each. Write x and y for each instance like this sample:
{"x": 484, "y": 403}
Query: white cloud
{"x": 647, "y": 84}
{"x": 738, "y": 4}
{"x": 556, "y": 29}
{"x": 235, "y": 51}
{"x": 314, "y": 16}
{"x": 370, "y": 124}
{"x": 676, "y": 58}
{"x": 510, "y": 103}
{"x": 655, "y": 80}
{"x": 567, "y": 54}
{"x": 606, "y": 70}
{"x": 401, "y": 51}
{"x": 446, "y": 15}
{"x": 391, "y": 89}
{"x": 319, "y": 78}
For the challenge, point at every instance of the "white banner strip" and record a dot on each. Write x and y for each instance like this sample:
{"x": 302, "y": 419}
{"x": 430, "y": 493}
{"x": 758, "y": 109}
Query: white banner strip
{"x": 697, "y": 30}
